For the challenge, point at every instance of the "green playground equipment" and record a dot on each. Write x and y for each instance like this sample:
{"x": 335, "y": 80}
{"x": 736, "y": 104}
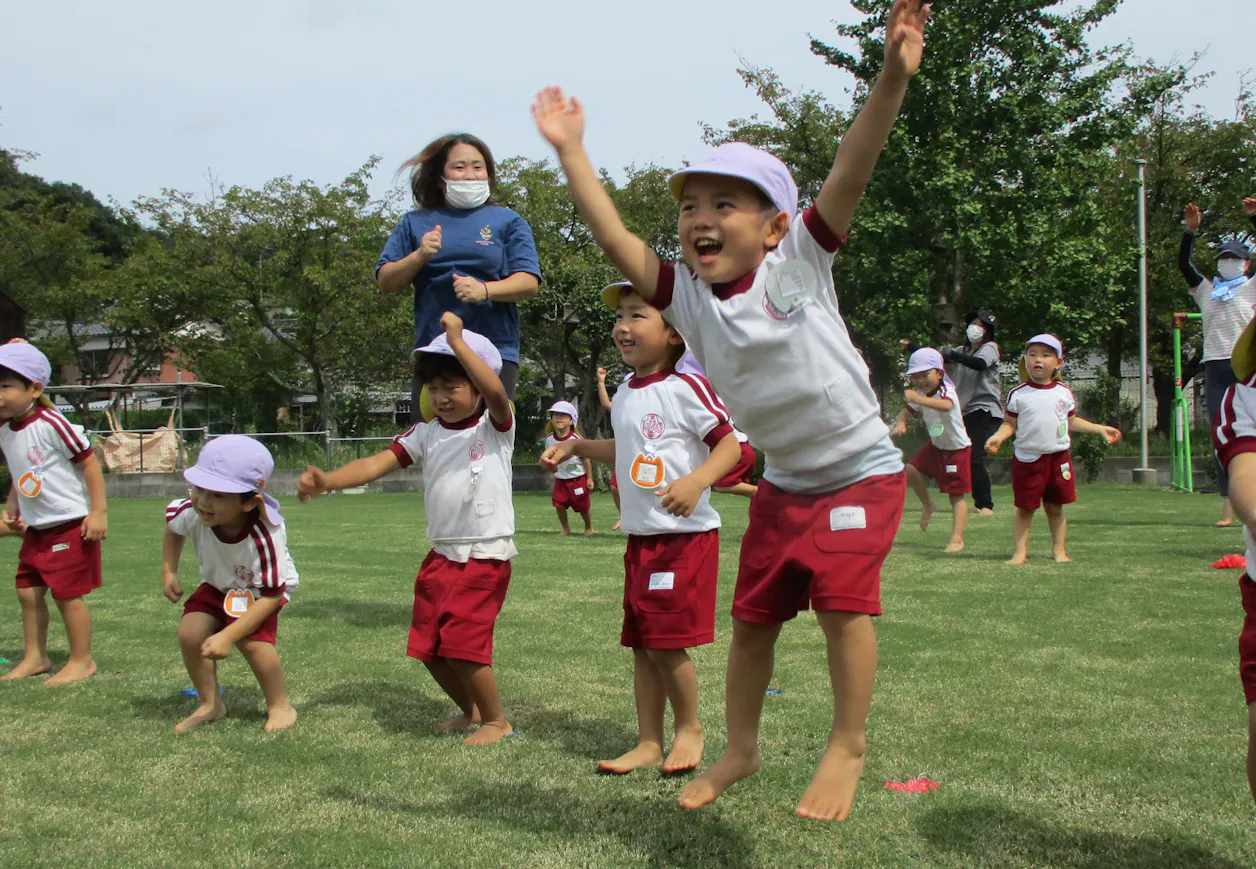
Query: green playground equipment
{"x": 1181, "y": 435}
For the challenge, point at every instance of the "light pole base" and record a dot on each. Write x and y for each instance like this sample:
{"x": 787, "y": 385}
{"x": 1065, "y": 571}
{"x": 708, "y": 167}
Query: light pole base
{"x": 1146, "y": 477}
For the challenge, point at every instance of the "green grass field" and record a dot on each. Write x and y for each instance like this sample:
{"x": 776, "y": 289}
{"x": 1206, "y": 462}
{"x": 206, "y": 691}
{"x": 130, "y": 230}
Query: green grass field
{"x": 1083, "y": 715}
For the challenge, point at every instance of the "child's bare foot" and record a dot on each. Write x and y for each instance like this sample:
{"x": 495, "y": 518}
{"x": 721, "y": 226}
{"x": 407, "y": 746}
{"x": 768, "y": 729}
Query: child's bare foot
{"x": 490, "y": 733}
{"x": 28, "y": 667}
{"x": 202, "y": 715}
{"x": 73, "y": 671}
{"x": 1018, "y": 558}
{"x": 686, "y": 752}
{"x": 1224, "y": 523}
{"x": 589, "y": 532}
{"x": 280, "y": 718}
{"x": 926, "y": 512}
{"x": 566, "y": 532}
{"x": 615, "y": 527}
{"x": 458, "y": 722}
{"x": 731, "y": 768}
{"x": 645, "y": 755}
{"x": 954, "y": 546}
{"x": 1060, "y": 557}
{"x": 986, "y": 511}
{"x": 832, "y": 791}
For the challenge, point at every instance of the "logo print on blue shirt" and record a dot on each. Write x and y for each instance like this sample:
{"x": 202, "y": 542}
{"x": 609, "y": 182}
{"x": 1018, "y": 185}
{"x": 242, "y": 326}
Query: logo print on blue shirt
{"x": 486, "y": 236}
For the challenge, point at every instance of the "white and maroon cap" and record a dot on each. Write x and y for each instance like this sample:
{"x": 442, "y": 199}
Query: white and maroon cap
{"x": 27, "y": 360}
{"x": 739, "y": 160}
{"x": 924, "y": 359}
{"x": 479, "y": 345}
{"x": 236, "y": 464}
{"x": 1048, "y": 340}
{"x": 565, "y": 407}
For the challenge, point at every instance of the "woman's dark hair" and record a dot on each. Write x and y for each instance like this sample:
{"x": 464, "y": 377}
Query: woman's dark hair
{"x": 427, "y": 169}
{"x": 431, "y": 366}
{"x": 9, "y": 372}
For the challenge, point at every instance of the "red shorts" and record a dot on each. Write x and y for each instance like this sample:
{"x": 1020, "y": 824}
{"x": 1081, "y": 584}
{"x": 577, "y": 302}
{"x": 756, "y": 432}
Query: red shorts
{"x": 208, "y": 599}
{"x": 572, "y": 493}
{"x": 60, "y": 559}
{"x": 951, "y": 468}
{"x": 1050, "y": 479}
{"x": 455, "y": 608}
{"x": 670, "y": 582}
{"x": 1247, "y": 639}
{"x": 741, "y": 471}
{"x": 824, "y": 549}
{"x": 614, "y": 481}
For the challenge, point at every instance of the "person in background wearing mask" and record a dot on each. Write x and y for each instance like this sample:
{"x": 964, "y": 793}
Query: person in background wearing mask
{"x": 974, "y": 369}
{"x": 461, "y": 251}
{"x": 1225, "y": 302}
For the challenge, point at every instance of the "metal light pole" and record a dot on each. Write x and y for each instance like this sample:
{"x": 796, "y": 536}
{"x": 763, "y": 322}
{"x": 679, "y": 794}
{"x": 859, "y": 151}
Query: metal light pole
{"x": 1142, "y": 474}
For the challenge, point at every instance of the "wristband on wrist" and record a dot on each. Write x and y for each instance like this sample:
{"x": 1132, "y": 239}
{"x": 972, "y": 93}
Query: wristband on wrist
{"x": 485, "y": 285}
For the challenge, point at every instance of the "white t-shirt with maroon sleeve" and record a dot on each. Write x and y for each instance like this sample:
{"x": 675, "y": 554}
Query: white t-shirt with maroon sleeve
{"x": 666, "y": 425}
{"x": 467, "y": 485}
{"x": 256, "y": 559}
{"x": 1042, "y": 415}
{"x": 573, "y": 468}
{"x": 793, "y": 381}
{"x": 42, "y": 450}
{"x": 946, "y": 427}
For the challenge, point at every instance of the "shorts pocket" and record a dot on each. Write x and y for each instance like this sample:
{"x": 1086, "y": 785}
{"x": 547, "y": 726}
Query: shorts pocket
{"x": 476, "y": 599}
{"x": 850, "y": 528}
{"x": 663, "y": 587}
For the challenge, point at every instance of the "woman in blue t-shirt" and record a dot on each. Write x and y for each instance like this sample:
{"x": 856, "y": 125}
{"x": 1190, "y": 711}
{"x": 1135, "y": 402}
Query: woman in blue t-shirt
{"x": 461, "y": 251}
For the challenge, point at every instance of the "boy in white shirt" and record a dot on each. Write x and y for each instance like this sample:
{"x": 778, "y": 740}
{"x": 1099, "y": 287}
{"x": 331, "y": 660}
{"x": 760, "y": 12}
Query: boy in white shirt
{"x": 58, "y": 491}
{"x": 247, "y": 575}
{"x": 1042, "y": 412}
{"x": 947, "y": 456}
{"x": 573, "y": 479}
{"x": 466, "y": 457}
{"x": 672, "y": 442}
{"x": 758, "y": 307}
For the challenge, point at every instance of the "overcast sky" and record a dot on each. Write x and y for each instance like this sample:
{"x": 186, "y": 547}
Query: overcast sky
{"x": 131, "y": 96}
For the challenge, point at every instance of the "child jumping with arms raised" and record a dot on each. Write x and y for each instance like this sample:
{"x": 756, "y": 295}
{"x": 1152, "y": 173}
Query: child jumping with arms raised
{"x": 672, "y": 441}
{"x": 573, "y": 479}
{"x": 947, "y": 456}
{"x": 758, "y": 307}
{"x": 247, "y": 575}
{"x": 467, "y": 484}
{"x": 58, "y": 491}
{"x": 1041, "y": 412}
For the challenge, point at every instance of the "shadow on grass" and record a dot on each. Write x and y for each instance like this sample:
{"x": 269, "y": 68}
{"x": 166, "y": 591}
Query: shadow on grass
{"x": 244, "y": 703}
{"x": 398, "y": 708}
{"x": 664, "y": 835}
{"x": 571, "y": 733}
{"x": 1000, "y": 838}
{"x": 359, "y": 613}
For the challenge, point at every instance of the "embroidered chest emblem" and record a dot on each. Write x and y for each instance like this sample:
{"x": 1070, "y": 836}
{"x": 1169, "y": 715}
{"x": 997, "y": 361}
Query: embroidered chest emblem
{"x": 35, "y": 454}
{"x": 652, "y": 426}
{"x": 477, "y": 451}
{"x": 486, "y": 236}
{"x": 243, "y": 575}
{"x": 1061, "y": 409}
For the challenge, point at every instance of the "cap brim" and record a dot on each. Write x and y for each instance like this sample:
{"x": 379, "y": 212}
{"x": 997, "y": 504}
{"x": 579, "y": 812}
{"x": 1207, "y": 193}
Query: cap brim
{"x": 612, "y": 292}
{"x": 676, "y": 181}
{"x": 1243, "y": 358}
{"x": 920, "y": 370}
{"x": 213, "y": 483}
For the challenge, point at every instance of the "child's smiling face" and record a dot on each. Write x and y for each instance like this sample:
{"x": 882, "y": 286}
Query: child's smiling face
{"x": 925, "y": 382}
{"x": 725, "y": 227}
{"x": 1042, "y": 363}
{"x": 16, "y": 397}
{"x": 644, "y": 339}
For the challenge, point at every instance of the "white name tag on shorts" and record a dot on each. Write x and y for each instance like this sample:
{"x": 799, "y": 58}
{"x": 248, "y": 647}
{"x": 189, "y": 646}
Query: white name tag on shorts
{"x": 60, "y": 547}
{"x": 952, "y": 469}
{"x": 485, "y": 508}
{"x": 662, "y": 581}
{"x": 577, "y": 491}
{"x": 846, "y": 518}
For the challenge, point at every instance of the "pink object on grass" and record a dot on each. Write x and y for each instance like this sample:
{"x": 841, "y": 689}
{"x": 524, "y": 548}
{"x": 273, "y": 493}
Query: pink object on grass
{"x": 1230, "y": 561}
{"x": 920, "y": 785}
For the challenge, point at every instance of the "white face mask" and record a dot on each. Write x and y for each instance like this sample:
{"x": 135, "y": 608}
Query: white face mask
{"x": 466, "y": 194}
{"x": 976, "y": 332}
{"x": 1229, "y": 268}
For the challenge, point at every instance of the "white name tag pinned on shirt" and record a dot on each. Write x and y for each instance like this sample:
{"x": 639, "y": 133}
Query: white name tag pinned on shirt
{"x": 485, "y": 508}
{"x": 791, "y": 285}
{"x": 662, "y": 581}
{"x": 847, "y": 518}
{"x": 840, "y": 389}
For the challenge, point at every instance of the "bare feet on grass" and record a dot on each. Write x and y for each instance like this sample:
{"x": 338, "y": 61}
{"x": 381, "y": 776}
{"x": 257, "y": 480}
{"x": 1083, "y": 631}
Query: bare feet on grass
{"x": 1017, "y": 558}
{"x": 489, "y": 733}
{"x": 566, "y": 532}
{"x": 203, "y": 715}
{"x": 589, "y": 532}
{"x": 686, "y": 752}
{"x": 615, "y": 527}
{"x": 954, "y": 546}
{"x": 458, "y": 722}
{"x": 1060, "y": 556}
{"x": 832, "y": 791}
{"x": 73, "y": 671}
{"x": 28, "y": 667}
{"x": 280, "y": 718}
{"x": 985, "y": 511}
{"x": 644, "y": 756}
{"x": 731, "y": 768}
{"x": 926, "y": 513}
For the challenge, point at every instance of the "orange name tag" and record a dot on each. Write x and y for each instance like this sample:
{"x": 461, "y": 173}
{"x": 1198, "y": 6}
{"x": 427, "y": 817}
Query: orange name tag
{"x": 236, "y": 603}
{"x": 647, "y": 471}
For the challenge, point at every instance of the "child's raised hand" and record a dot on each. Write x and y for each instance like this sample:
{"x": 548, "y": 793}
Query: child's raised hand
{"x": 1110, "y": 434}
{"x": 601, "y": 375}
{"x": 559, "y": 119}
{"x": 993, "y": 445}
{"x": 1249, "y": 205}
{"x": 555, "y": 456}
{"x": 216, "y": 647}
{"x": 911, "y": 395}
{"x": 429, "y": 246}
{"x": 171, "y": 588}
{"x": 681, "y": 497}
{"x": 452, "y": 324}
{"x": 905, "y": 37}
{"x": 1193, "y": 217}
{"x": 312, "y": 482}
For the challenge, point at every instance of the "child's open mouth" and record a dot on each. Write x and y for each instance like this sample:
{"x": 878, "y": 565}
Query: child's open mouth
{"x": 707, "y": 250}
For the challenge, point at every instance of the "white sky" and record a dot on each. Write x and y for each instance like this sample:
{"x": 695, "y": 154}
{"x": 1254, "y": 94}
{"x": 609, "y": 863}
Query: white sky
{"x": 131, "y": 96}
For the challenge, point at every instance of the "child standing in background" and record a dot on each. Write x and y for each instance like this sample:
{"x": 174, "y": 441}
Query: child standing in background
{"x": 573, "y": 479}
